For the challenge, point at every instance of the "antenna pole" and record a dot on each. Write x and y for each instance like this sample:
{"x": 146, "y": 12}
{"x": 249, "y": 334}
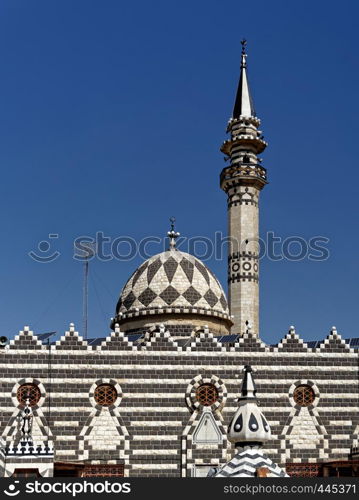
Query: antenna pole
{"x": 85, "y": 298}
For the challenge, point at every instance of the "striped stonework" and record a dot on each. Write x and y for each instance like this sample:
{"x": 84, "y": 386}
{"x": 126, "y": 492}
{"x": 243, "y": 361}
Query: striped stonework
{"x": 155, "y": 427}
{"x": 246, "y": 464}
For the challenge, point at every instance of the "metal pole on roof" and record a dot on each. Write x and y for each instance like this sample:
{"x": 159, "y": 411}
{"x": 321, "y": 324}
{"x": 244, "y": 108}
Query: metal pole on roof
{"x": 85, "y": 298}
{"x": 90, "y": 253}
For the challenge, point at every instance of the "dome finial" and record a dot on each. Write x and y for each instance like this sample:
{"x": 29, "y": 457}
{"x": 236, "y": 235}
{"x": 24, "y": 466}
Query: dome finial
{"x": 172, "y": 234}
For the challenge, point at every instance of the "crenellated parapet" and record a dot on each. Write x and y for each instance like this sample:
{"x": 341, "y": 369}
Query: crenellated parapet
{"x": 205, "y": 341}
{"x": 25, "y": 340}
{"x": 117, "y": 340}
{"x": 158, "y": 338}
{"x": 71, "y": 340}
{"x": 293, "y": 343}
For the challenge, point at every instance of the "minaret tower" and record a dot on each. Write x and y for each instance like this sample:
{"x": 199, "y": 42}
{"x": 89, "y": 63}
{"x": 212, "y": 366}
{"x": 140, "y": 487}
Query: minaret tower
{"x": 243, "y": 180}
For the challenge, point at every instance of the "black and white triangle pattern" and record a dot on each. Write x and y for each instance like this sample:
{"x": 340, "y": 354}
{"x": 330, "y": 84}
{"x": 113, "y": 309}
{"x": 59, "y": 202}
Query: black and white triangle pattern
{"x": 173, "y": 279}
{"x": 246, "y": 463}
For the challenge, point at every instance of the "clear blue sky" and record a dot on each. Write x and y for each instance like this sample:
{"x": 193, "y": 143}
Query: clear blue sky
{"x": 111, "y": 118}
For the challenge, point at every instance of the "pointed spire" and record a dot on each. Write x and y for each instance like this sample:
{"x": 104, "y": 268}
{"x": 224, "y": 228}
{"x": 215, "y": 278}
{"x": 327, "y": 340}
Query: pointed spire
{"x": 248, "y": 390}
{"x": 172, "y": 234}
{"x": 244, "y": 104}
{"x": 248, "y": 426}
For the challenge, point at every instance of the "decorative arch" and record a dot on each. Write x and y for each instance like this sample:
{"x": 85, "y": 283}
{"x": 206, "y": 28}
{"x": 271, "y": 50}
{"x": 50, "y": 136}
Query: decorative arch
{"x": 310, "y": 384}
{"x": 304, "y": 428}
{"x": 115, "y": 445}
{"x": 41, "y": 431}
{"x": 103, "y": 381}
{"x": 204, "y": 439}
{"x": 33, "y": 381}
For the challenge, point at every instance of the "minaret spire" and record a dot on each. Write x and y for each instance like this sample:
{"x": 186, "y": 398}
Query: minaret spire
{"x": 243, "y": 105}
{"x": 243, "y": 180}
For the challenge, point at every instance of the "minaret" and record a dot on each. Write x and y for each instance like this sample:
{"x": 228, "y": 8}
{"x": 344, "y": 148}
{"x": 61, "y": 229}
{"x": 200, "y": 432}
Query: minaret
{"x": 243, "y": 180}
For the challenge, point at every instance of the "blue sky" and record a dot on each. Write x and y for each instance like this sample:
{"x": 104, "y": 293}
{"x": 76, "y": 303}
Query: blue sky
{"x": 111, "y": 118}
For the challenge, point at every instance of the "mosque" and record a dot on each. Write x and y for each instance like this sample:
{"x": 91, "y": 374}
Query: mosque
{"x": 171, "y": 391}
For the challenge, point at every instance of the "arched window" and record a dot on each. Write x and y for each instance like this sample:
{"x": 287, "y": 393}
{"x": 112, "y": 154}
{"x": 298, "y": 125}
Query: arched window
{"x": 303, "y": 395}
{"x": 207, "y": 394}
{"x": 105, "y": 394}
{"x": 30, "y": 392}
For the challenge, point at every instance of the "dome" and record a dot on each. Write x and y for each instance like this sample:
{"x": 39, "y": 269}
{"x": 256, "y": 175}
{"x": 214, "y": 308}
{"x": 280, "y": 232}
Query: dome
{"x": 172, "y": 282}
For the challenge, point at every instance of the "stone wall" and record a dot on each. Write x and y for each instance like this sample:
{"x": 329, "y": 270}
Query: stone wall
{"x": 152, "y": 426}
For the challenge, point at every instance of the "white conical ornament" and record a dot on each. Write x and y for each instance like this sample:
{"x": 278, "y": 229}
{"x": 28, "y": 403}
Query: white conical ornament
{"x": 248, "y": 426}
{"x": 248, "y": 431}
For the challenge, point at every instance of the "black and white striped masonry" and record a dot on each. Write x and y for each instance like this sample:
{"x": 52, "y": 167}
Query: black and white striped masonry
{"x": 23, "y": 450}
{"x": 151, "y": 428}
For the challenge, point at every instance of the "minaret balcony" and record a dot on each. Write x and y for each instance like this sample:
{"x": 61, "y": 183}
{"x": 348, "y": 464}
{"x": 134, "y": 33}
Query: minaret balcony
{"x": 249, "y": 141}
{"x": 249, "y": 174}
{"x": 241, "y": 121}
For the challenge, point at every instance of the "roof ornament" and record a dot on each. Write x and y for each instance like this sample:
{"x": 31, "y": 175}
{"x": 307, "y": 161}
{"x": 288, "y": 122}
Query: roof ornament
{"x": 172, "y": 234}
{"x": 244, "y": 53}
{"x": 248, "y": 426}
{"x": 26, "y": 417}
{"x": 248, "y": 430}
{"x": 248, "y": 390}
{"x": 243, "y": 105}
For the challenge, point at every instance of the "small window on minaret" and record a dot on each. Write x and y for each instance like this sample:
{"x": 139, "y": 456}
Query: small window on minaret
{"x": 246, "y": 159}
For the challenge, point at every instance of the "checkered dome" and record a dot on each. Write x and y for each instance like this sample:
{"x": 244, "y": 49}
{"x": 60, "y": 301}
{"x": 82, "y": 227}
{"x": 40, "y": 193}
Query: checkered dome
{"x": 173, "y": 281}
